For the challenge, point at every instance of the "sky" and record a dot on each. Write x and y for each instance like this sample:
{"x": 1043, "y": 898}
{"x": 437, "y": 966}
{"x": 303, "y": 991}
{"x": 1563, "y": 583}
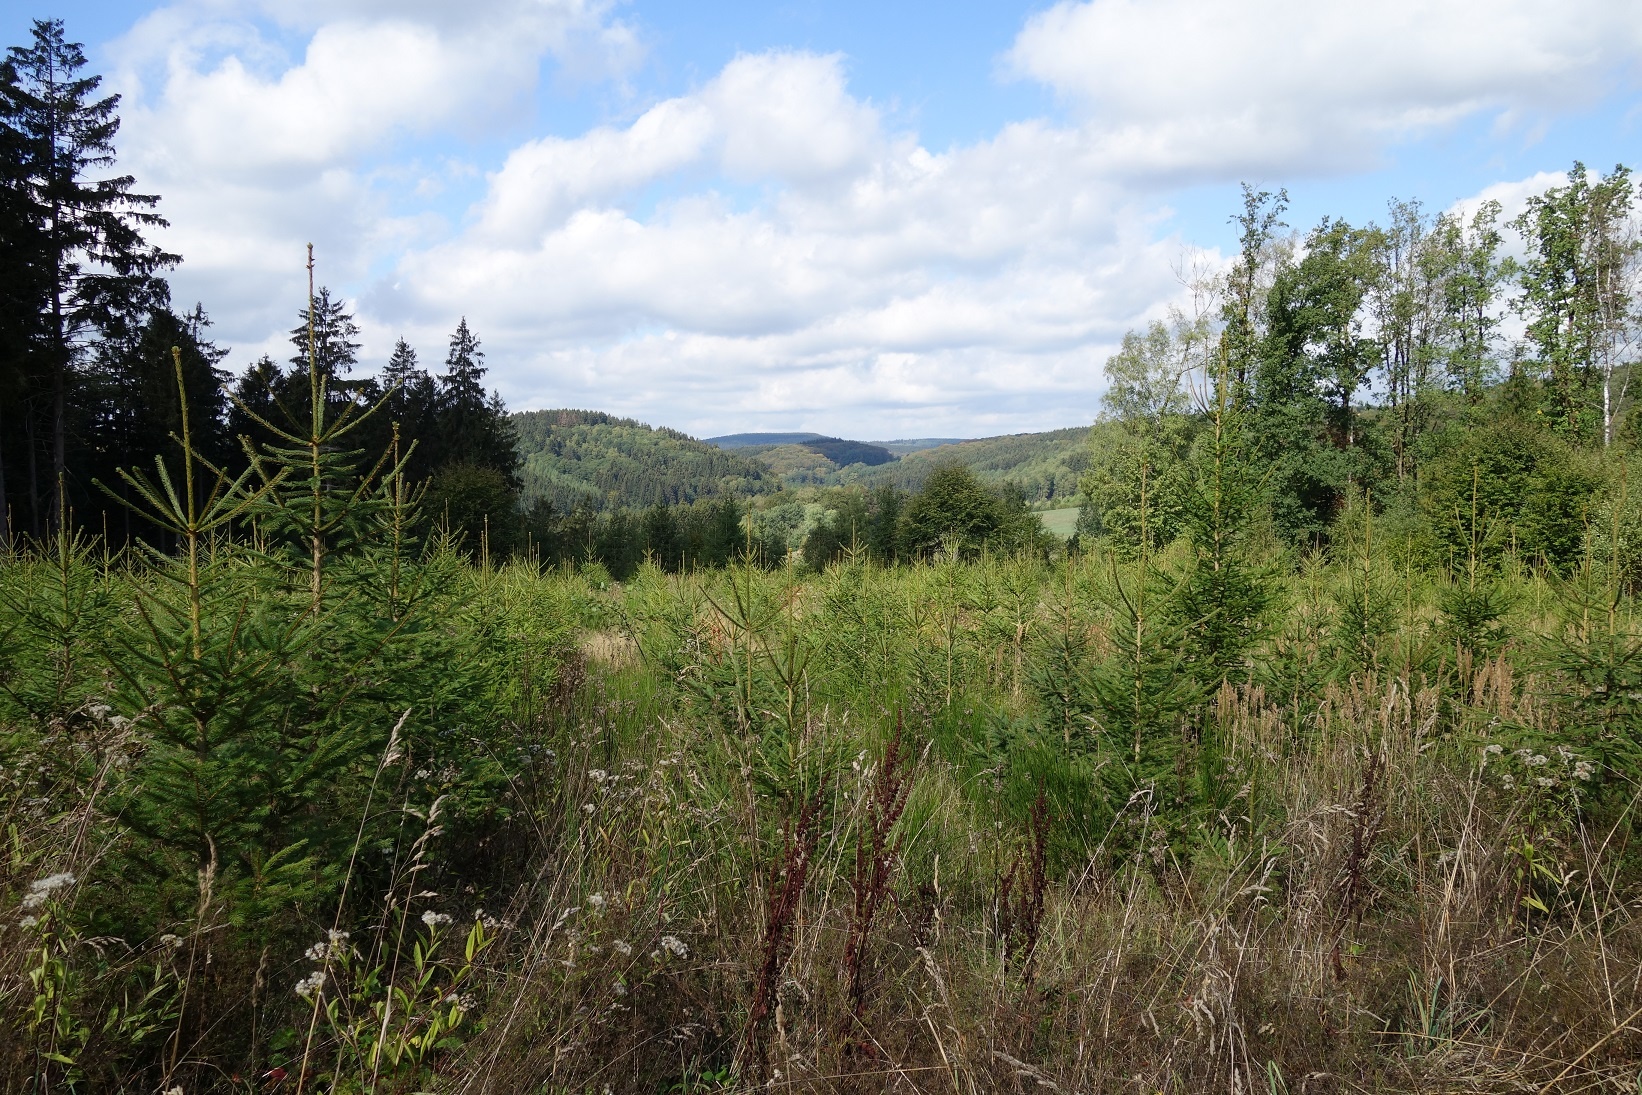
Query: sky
{"x": 882, "y": 220}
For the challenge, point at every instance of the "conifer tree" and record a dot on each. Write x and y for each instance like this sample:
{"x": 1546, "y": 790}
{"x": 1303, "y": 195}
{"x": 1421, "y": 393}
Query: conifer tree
{"x": 412, "y": 399}
{"x": 333, "y": 333}
{"x": 473, "y": 427}
{"x": 98, "y": 271}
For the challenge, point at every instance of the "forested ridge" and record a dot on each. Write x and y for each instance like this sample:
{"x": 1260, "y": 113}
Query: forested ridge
{"x": 588, "y": 459}
{"x": 339, "y": 752}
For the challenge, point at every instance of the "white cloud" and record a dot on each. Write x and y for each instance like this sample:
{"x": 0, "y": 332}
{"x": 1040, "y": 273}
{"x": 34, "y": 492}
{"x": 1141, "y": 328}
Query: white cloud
{"x": 258, "y": 149}
{"x": 766, "y": 249}
{"x": 1194, "y": 87}
{"x": 881, "y": 287}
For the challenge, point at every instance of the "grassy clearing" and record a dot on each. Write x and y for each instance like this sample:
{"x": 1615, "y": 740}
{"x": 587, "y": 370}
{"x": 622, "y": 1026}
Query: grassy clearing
{"x": 868, "y": 830}
{"x": 1061, "y": 522}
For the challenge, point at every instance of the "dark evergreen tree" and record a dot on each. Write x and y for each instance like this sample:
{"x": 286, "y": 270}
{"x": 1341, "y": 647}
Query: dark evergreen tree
{"x": 23, "y": 291}
{"x": 100, "y": 274}
{"x": 333, "y": 346}
{"x": 136, "y": 413}
{"x": 473, "y": 426}
{"x": 412, "y": 405}
{"x": 1314, "y": 359}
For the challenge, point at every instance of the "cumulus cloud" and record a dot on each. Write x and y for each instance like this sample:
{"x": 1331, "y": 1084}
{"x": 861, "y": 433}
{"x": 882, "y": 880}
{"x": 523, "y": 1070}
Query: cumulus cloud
{"x": 258, "y": 147}
{"x": 767, "y": 248}
{"x": 1201, "y": 87}
{"x": 977, "y": 284}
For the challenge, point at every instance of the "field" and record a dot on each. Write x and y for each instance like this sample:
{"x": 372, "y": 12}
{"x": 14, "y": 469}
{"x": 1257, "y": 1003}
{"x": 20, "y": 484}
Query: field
{"x": 1061, "y": 522}
{"x": 958, "y": 826}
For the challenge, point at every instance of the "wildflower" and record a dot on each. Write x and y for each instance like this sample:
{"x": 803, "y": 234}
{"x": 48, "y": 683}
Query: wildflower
{"x": 169, "y": 940}
{"x": 1583, "y": 770}
{"x": 623, "y": 947}
{"x": 1543, "y": 781}
{"x": 596, "y": 902}
{"x": 100, "y": 711}
{"x": 333, "y": 946}
{"x": 620, "y": 989}
{"x": 674, "y": 946}
{"x": 588, "y": 807}
{"x": 598, "y": 775}
{"x": 40, "y": 892}
{"x": 435, "y": 919}
{"x": 119, "y": 722}
{"x": 1536, "y": 760}
{"x": 310, "y": 985}
{"x": 1495, "y": 749}
{"x": 1507, "y": 782}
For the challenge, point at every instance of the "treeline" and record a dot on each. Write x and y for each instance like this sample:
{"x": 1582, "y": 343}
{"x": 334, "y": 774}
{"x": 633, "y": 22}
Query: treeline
{"x": 1365, "y": 371}
{"x": 954, "y": 513}
{"x": 90, "y": 383}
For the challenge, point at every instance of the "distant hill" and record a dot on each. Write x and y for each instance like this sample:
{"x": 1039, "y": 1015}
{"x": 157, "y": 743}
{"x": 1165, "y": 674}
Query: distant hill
{"x": 914, "y": 444}
{"x": 763, "y": 440}
{"x": 1046, "y": 466}
{"x": 835, "y": 450}
{"x": 589, "y": 458}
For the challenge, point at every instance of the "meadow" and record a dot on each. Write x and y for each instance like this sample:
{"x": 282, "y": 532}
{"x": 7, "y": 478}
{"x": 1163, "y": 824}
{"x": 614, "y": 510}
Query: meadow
{"x": 404, "y": 820}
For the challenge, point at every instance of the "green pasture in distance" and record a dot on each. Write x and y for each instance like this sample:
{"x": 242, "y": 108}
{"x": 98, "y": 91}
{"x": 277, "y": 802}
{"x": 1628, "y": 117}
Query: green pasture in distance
{"x": 1061, "y": 522}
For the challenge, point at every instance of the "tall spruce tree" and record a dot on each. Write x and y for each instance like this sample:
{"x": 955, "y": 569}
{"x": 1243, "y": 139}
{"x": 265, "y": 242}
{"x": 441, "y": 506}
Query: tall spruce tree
{"x": 412, "y": 405}
{"x": 473, "y": 426}
{"x": 334, "y": 333}
{"x": 99, "y": 273}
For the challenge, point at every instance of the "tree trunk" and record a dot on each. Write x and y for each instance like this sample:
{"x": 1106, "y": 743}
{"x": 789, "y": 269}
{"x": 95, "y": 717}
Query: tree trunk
{"x": 32, "y": 445}
{"x": 59, "y": 400}
{"x": 5, "y": 504}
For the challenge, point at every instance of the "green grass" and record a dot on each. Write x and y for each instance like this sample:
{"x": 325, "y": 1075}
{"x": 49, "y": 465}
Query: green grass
{"x": 1061, "y": 522}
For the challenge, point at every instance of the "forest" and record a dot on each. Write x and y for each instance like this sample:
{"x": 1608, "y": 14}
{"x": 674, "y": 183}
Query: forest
{"x": 345, "y": 748}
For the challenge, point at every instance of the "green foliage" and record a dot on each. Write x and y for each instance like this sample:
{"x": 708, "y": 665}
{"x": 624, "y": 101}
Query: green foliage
{"x": 1507, "y": 487}
{"x": 587, "y": 459}
{"x": 475, "y": 504}
{"x": 1046, "y": 467}
{"x": 955, "y": 512}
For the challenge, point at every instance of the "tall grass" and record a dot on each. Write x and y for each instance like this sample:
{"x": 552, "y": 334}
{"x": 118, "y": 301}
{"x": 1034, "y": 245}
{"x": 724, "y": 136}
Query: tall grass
{"x": 860, "y": 831}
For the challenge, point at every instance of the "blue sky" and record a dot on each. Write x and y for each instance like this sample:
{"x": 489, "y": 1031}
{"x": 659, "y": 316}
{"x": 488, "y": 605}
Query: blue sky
{"x": 906, "y": 219}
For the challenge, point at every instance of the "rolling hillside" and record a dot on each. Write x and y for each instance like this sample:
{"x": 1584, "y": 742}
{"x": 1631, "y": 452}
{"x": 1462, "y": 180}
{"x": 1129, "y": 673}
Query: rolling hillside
{"x": 597, "y": 460}
{"x": 1046, "y": 466}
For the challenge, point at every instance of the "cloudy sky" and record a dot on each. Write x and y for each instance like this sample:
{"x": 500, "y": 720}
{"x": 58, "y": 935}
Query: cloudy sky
{"x": 868, "y": 219}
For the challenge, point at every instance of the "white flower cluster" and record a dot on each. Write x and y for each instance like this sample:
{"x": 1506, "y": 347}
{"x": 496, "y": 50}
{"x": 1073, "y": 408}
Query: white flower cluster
{"x": 674, "y": 946}
{"x": 311, "y": 984}
{"x": 1572, "y": 767}
{"x": 40, "y": 891}
{"x": 435, "y": 919}
{"x": 596, "y": 902}
{"x": 333, "y": 946}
